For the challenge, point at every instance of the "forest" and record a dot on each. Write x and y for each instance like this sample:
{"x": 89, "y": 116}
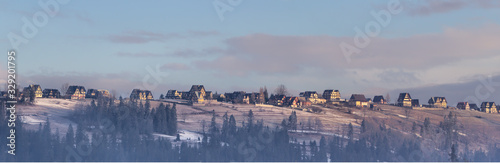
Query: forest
{"x": 106, "y": 131}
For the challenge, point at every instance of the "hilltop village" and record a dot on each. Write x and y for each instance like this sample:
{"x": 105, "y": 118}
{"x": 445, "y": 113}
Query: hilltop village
{"x": 198, "y": 95}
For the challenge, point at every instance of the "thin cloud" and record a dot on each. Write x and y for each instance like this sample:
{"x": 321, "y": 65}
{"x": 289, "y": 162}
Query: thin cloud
{"x": 182, "y": 53}
{"x": 175, "y": 66}
{"x": 273, "y": 54}
{"x": 141, "y": 36}
{"x": 84, "y": 18}
{"x": 140, "y": 54}
{"x": 430, "y": 7}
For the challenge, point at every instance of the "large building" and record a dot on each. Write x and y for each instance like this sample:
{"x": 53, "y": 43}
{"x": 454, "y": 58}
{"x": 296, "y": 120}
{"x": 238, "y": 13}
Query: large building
{"x": 138, "y": 94}
{"x": 404, "y": 100}
{"x": 76, "y": 92}
{"x": 438, "y": 102}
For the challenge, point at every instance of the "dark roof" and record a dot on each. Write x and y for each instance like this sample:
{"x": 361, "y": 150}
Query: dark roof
{"x": 435, "y": 99}
{"x": 196, "y": 88}
{"x": 309, "y": 93}
{"x": 415, "y": 102}
{"x": 358, "y": 97}
{"x": 330, "y": 91}
{"x": 473, "y": 106}
{"x": 34, "y": 86}
{"x": 50, "y": 90}
{"x": 462, "y": 105}
{"x": 73, "y": 88}
{"x": 378, "y": 98}
{"x": 402, "y": 96}
{"x": 488, "y": 104}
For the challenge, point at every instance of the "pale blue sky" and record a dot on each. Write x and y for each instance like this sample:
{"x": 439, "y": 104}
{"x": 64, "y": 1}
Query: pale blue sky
{"x": 113, "y": 42}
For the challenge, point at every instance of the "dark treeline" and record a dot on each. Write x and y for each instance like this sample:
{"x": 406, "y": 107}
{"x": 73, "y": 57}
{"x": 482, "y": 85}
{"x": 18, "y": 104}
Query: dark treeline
{"x": 124, "y": 132}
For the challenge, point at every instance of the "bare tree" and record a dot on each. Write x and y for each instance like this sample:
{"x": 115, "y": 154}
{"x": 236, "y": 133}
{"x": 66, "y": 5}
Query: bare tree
{"x": 388, "y": 98}
{"x": 281, "y": 90}
{"x": 64, "y": 88}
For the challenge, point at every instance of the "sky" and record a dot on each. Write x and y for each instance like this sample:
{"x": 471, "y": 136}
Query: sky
{"x": 376, "y": 47}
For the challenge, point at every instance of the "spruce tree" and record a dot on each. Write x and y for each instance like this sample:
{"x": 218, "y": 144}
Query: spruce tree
{"x": 70, "y": 136}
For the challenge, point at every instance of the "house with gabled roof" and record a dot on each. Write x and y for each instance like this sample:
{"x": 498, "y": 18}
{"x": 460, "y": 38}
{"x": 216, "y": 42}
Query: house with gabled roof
{"x": 33, "y": 88}
{"x": 76, "y": 92}
{"x": 415, "y": 103}
{"x": 173, "y": 94}
{"x": 197, "y": 93}
{"x": 51, "y": 93}
{"x": 489, "y": 107}
{"x": 293, "y": 102}
{"x": 138, "y": 94}
{"x": 404, "y": 100}
{"x": 379, "y": 99}
{"x": 277, "y": 100}
{"x": 438, "y": 102}
{"x": 313, "y": 97}
{"x": 331, "y": 95}
{"x": 358, "y": 100}
{"x": 473, "y": 106}
{"x": 97, "y": 93}
{"x": 463, "y": 106}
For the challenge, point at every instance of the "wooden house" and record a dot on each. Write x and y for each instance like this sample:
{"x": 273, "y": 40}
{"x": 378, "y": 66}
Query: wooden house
{"x": 313, "y": 97}
{"x": 415, "y": 103}
{"x": 293, "y": 102}
{"x": 209, "y": 95}
{"x": 331, "y": 95}
{"x": 33, "y": 89}
{"x": 404, "y": 100}
{"x": 379, "y": 99}
{"x": 197, "y": 93}
{"x": 138, "y": 94}
{"x": 473, "y": 106}
{"x": 358, "y": 100}
{"x": 76, "y": 92}
{"x": 438, "y": 102}
{"x": 463, "y": 106}
{"x": 173, "y": 94}
{"x": 277, "y": 100}
{"x": 51, "y": 93}
{"x": 239, "y": 97}
{"x": 97, "y": 93}
{"x": 489, "y": 107}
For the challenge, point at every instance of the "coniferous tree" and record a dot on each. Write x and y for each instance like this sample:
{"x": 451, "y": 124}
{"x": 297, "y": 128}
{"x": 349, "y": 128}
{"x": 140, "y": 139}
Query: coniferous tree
{"x": 232, "y": 125}
{"x": 453, "y": 154}
{"x": 292, "y": 121}
{"x": 70, "y": 136}
{"x": 147, "y": 106}
{"x": 350, "y": 132}
{"x": 250, "y": 119}
{"x": 321, "y": 156}
{"x": 363, "y": 126}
